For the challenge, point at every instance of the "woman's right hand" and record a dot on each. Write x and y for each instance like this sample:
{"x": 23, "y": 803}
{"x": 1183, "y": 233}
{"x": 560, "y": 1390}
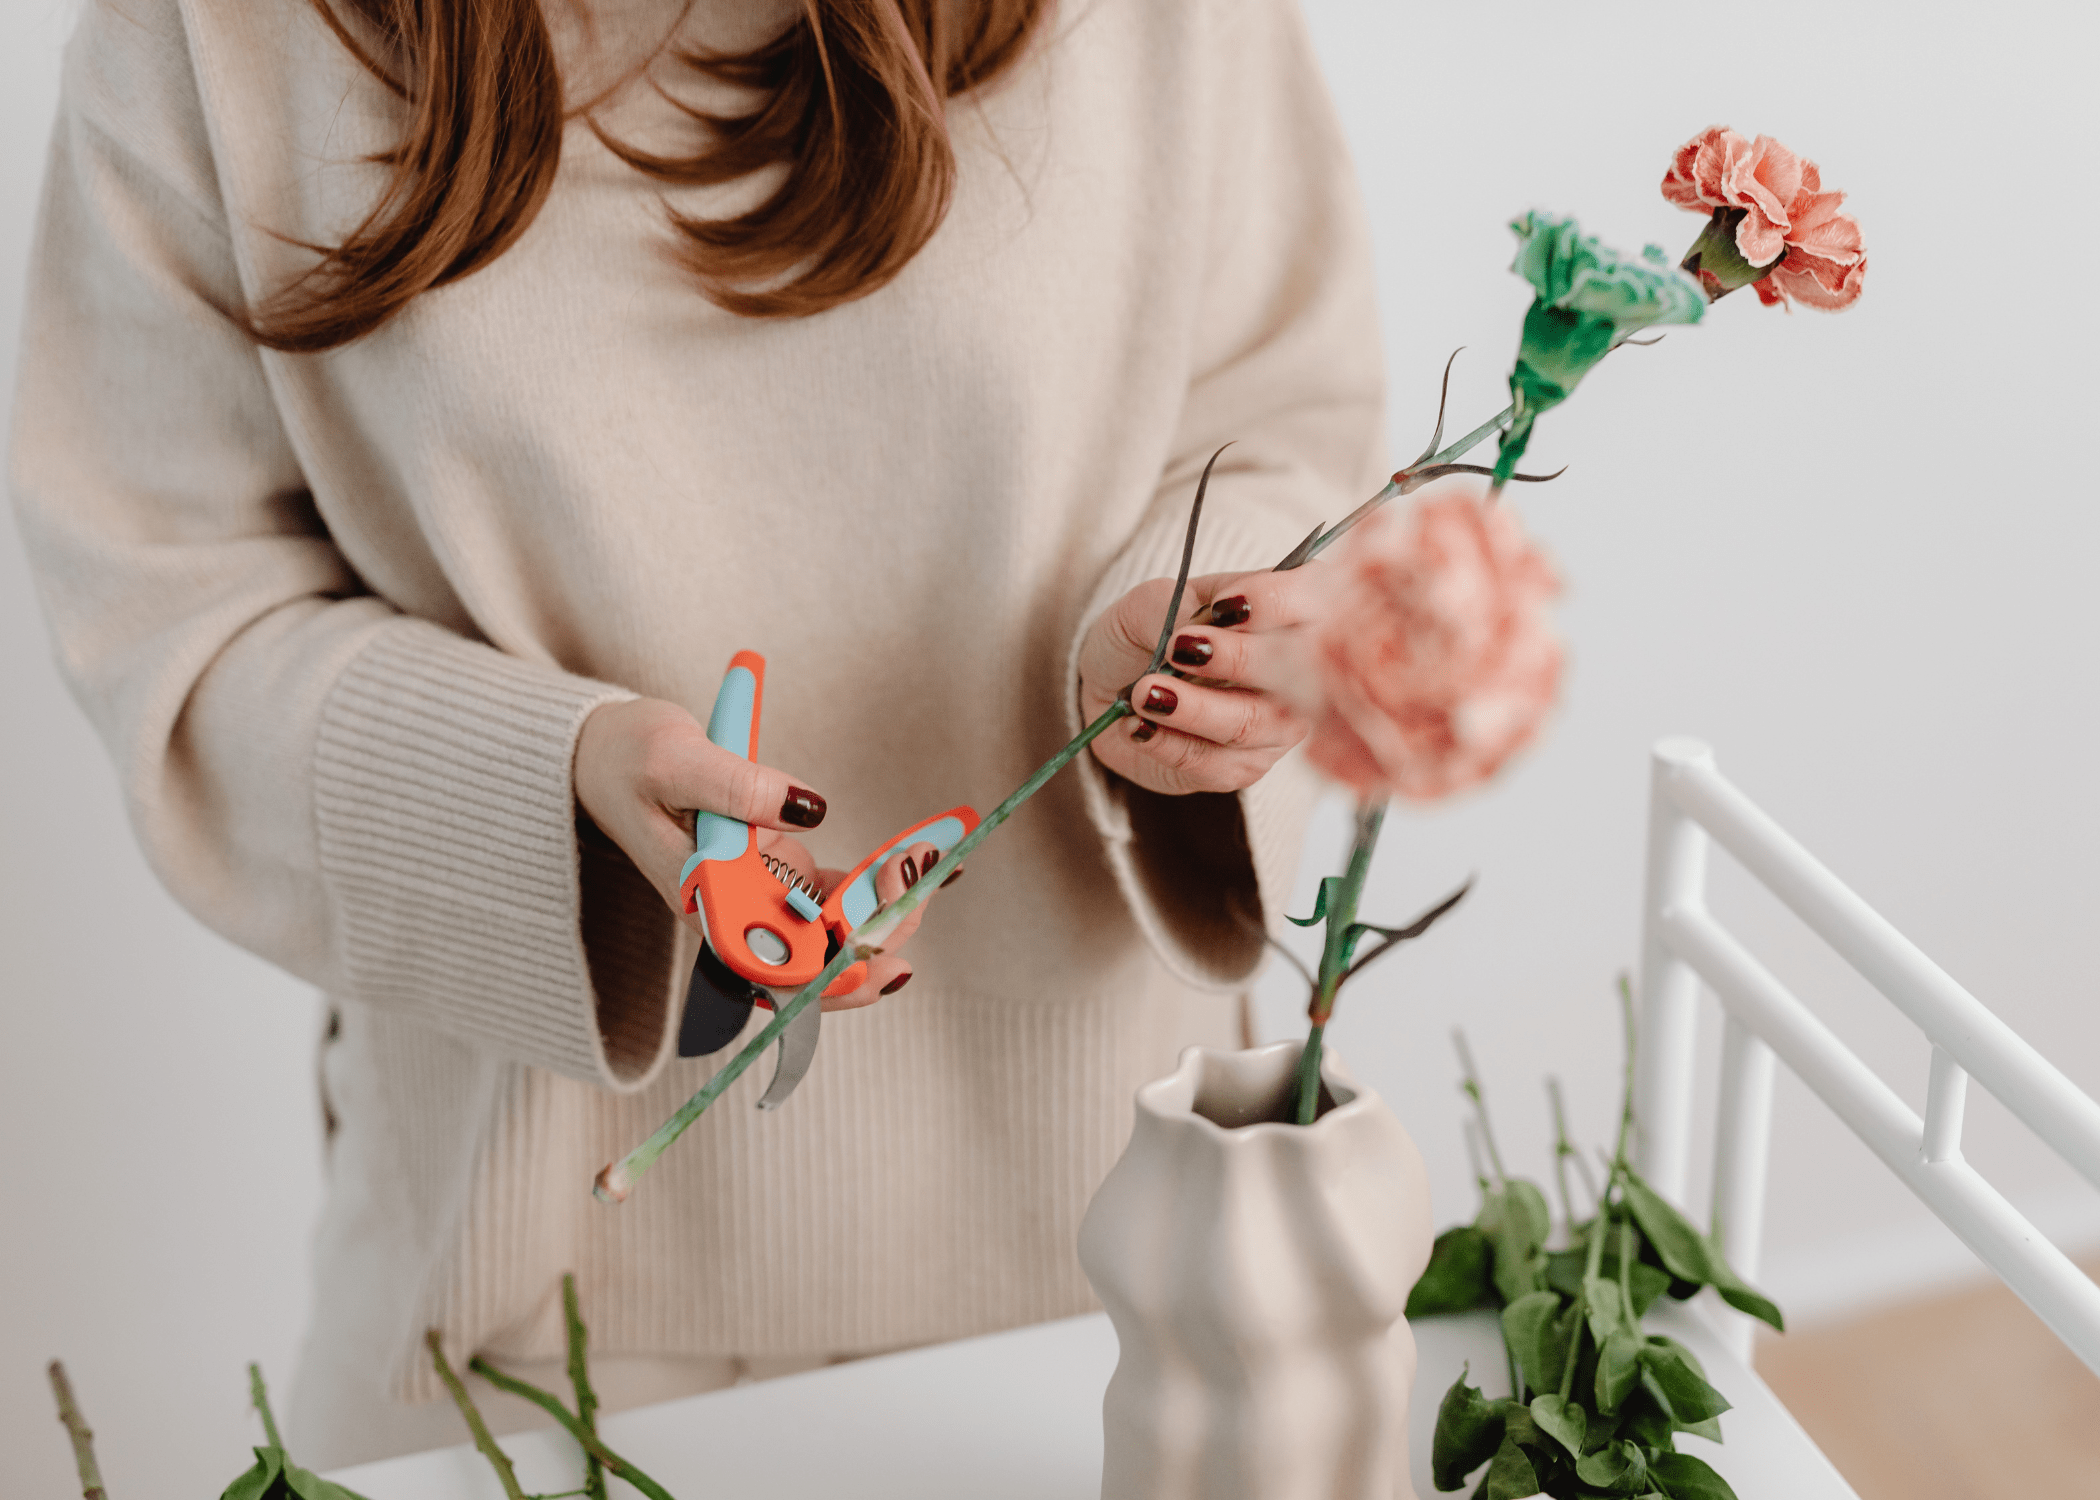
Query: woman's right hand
{"x": 643, "y": 767}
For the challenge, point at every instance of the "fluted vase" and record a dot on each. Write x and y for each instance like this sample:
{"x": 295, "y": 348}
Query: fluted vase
{"x": 1256, "y": 1271}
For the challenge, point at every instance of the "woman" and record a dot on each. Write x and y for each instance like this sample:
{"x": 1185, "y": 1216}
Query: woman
{"x": 399, "y": 481}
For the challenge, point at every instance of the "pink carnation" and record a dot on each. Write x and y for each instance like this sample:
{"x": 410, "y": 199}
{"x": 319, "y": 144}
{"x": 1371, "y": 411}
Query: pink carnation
{"x": 1435, "y": 661}
{"x": 1785, "y": 213}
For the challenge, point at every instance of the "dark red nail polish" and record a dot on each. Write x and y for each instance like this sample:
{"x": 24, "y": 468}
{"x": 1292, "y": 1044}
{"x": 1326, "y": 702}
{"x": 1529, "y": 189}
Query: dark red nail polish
{"x": 1161, "y": 700}
{"x": 1144, "y": 731}
{"x": 803, "y": 808}
{"x": 1230, "y": 612}
{"x": 951, "y": 879}
{"x": 1191, "y": 651}
{"x": 909, "y": 869}
{"x": 898, "y": 983}
{"x": 931, "y": 860}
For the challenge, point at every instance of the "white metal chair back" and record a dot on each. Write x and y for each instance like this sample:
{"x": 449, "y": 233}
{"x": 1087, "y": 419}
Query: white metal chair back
{"x": 1682, "y": 945}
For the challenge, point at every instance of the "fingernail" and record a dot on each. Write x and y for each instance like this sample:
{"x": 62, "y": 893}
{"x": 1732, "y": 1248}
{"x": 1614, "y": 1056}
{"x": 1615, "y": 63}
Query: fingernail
{"x": 909, "y": 869}
{"x": 1230, "y": 612}
{"x": 1160, "y": 700}
{"x": 1191, "y": 651}
{"x": 803, "y": 808}
{"x": 951, "y": 879}
{"x": 1145, "y": 730}
{"x": 932, "y": 859}
{"x": 898, "y": 983}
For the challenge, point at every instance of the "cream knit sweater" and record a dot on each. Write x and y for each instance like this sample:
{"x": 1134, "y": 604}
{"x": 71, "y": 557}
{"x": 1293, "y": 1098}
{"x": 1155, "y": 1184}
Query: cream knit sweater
{"x": 339, "y": 618}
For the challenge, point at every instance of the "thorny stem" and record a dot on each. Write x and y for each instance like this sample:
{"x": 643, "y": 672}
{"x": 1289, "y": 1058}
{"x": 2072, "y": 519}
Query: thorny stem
{"x": 586, "y": 1437}
{"x": 1336, "y": 953}
{"x": 498, "y": 1459}
{"x": 1470, "y": 1087}
{"x": 77, "y": 1429}
{"x": 616, "y": 1181}
{"x": 580, "y": 1380}
{"x": 259, "y": 1397}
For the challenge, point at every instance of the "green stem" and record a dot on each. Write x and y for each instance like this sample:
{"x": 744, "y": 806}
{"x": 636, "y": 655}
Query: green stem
{"x": 77, "y": 1429}
{"x": 1399, "y": 486}
{"x": 580, "y": 1380}
{"x": 259, "y": 1395}
{"x": 1469, "y": 1085}
{"x": 1626, "y": 1096}
{"x": 498, "y": 1459}
{"x": 1562, "y": 1150}
{"x": 1591, "y": 1267}
{"x": 617, "y": 1180}
{"x": 1336, "y": 951}
{"x": 551, "y": 1404}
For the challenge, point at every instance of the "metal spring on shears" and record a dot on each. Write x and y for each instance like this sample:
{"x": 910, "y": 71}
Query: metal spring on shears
{"x": 788, "y": 875}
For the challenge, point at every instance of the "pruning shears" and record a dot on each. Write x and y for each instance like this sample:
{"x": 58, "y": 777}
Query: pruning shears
{"x": 768, "y": 930}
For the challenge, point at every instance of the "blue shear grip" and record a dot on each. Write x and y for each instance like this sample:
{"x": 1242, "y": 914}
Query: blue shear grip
{"x": 729, "y": 725}
{"x": 857, "y": 903}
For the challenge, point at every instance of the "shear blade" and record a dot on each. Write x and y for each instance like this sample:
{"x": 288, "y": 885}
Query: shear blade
{"x": 798, "y": 1048}
{"x": 718, "y": 1002}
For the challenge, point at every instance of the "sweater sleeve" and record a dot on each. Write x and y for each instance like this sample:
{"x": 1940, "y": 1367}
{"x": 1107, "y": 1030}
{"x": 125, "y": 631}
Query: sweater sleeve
{"x": 1287, "y": 368}
{"x": 377, "y": 804}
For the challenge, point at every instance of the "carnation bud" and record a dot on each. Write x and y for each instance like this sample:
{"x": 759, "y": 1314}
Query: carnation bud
{"x": 1718, "y": 261}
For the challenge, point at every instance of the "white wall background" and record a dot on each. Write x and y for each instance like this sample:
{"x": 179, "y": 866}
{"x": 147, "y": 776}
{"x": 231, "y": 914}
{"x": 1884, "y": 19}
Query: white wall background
{"x": 1854, "y": 552}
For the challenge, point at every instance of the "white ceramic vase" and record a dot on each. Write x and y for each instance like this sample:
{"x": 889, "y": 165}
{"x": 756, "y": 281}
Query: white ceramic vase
{"x": 1255, "y": 1272}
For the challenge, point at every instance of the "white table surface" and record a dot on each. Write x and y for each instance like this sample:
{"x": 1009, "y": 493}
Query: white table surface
{"x": 1018, "y": 1416}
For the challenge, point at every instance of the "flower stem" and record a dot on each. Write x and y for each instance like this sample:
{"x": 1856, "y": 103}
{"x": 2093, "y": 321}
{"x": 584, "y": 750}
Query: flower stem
{"x": 1404, "y": 482}
{"x": 617, "y": 1180}
{"x": 77, "y": 1429}
{"x": 1340, "y": 947}
{"x": 1626, "y": 1098}
{"x": 586, "y": 1436}
{"x": 1470, "y": 1087}
{"x": 483, "y": 1439}
{"x": 259, "y": 1397}
{"x": 580, "y": 1380}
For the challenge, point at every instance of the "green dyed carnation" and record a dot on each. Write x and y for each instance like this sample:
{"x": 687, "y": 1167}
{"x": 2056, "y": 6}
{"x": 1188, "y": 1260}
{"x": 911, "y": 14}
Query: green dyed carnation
{"x": 1589, "y": 299}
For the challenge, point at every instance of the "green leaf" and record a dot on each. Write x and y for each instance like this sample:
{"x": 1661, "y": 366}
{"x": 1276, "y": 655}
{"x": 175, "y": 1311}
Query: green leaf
{"x": 1522, "y": 1223}
{"x": 1647, "y": 1415}
{"x": 1684, "y": 1477}
{"x": 1710, "y": 1429}
{"x": 1564, "y": 1270}
{"x": 310, "y": 1486}
{"x": 1608, "y": 1315}
{"x": 1563, "y": 1421}
{"x": 1617, "y": 1467}
{"x": 1531, "y": 1326}
{"x": 1692, "y": 1256}
{"x": 1468, "y": 1431}
{"x": 1457, "y": 1277}
{"x": 1683, "y": 1249}
{"x": 1510, "y": 1476}
{"x": 1744, "y": 1298}
{"x": 1329, "y": 886}
{"x": 1681, "y": 1384}
{"x": 1618, "y": 1370}
{"x": 256, "y": 1483}
{"x": 275, "y": 1477}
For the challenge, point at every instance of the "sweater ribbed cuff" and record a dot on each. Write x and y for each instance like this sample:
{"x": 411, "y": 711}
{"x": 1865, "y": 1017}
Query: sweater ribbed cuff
{"x": 447, "y": 828}
{"x": 1181, "y": 862}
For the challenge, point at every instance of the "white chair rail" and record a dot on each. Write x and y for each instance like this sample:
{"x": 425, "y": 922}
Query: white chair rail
{"x": 1690, "y": 805}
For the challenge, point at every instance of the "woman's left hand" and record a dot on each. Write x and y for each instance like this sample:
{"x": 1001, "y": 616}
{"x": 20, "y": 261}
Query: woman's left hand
{"x": 1221, "y": 728}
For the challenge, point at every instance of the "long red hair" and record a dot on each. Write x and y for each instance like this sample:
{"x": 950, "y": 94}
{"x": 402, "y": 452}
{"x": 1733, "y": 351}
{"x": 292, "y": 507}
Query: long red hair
{"x": 851, "y": 100}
